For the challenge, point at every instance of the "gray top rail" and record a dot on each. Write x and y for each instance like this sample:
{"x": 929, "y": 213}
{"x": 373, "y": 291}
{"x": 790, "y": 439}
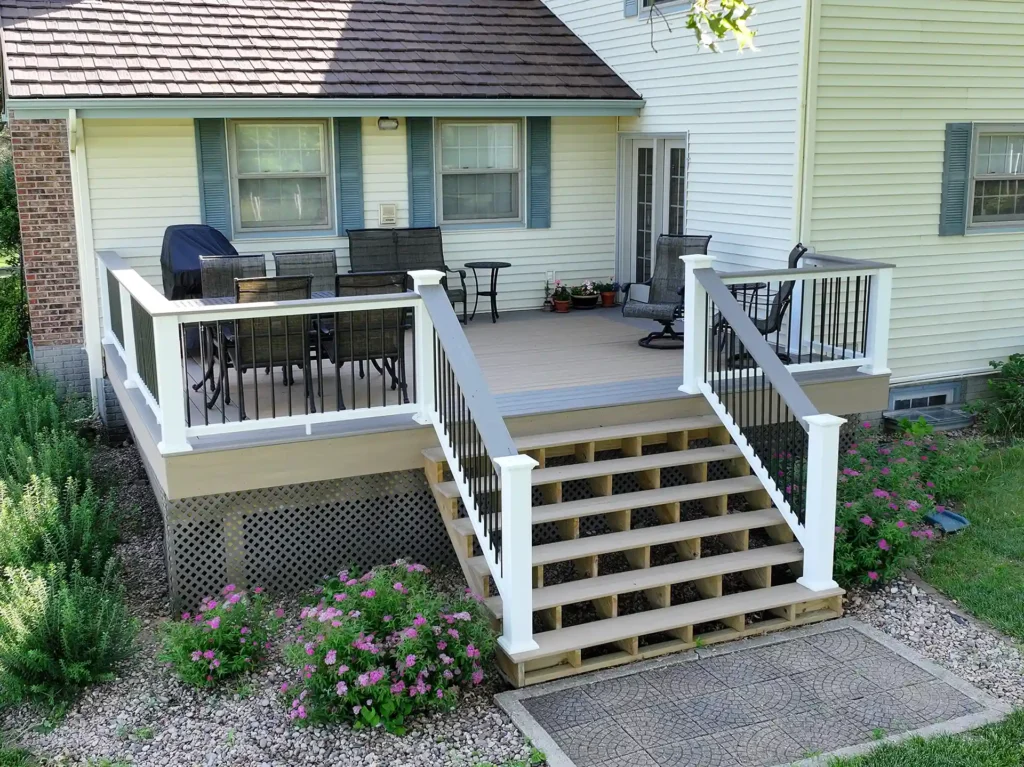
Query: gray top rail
{"x": 478, "y": 396}
{"x": 766, "y": 358}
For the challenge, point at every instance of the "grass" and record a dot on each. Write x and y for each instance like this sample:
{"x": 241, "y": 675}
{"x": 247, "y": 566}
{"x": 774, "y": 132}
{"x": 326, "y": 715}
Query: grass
{"x": 982, "y": 567}
{"x": 536, "y": 759}
{"x": 998, "y": 745}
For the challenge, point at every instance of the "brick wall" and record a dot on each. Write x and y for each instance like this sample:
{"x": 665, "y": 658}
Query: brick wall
{"x": 42, "y": 172}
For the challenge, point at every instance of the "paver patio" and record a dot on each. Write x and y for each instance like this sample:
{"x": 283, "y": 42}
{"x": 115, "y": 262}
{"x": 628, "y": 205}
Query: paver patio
{"x": 770, "y": 701}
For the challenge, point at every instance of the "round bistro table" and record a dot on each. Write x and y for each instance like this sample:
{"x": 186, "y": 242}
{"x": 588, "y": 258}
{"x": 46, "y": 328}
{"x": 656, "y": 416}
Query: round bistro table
{"x": 494, "y": 266}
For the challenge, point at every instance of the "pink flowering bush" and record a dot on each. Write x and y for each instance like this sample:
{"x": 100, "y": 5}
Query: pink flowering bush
{"x": 887, "y": 484}
{"x": 375, "y": 650}
{"x": 225, "y": 637}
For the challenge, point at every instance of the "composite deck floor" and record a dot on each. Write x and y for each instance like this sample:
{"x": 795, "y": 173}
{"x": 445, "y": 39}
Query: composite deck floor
{"x": 531, "y": 360}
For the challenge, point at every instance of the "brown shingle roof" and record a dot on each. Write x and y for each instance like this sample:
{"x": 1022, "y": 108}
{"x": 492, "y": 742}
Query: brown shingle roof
{"x": 299, "y": 48}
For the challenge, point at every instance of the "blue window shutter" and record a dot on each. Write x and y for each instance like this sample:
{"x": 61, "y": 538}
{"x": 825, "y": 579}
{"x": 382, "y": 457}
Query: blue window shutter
{"x": 214, "y": 194}
{"x": 348, "y": 160}
{"x": 421, "y": 171}
{"x": 955, "y": 179}
{"x": 629, "y": 7}
{"x": 538, "y": 174}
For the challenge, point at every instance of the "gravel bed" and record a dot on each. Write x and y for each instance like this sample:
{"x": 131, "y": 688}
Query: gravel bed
{"x": 147, "y": 718}
{"x": 936, "y": 628}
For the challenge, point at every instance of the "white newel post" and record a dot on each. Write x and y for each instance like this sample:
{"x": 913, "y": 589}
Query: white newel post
{"x": 167, "y": 350}
{"x": 695, "y": 323}
{"x": 820, "y": 513}
{"x": 423, "y": 338}
{"x": 516, "y": 553}
{"x": 131, "y": 379}
{"x": 879, "y": 308}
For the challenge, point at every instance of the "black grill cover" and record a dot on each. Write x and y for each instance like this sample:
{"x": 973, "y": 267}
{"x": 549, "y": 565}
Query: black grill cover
{"x": 179, "y": 257}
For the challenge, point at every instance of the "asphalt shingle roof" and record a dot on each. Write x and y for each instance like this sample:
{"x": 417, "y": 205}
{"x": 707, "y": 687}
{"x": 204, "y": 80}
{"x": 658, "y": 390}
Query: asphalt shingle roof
{"x": 503, "y": 49}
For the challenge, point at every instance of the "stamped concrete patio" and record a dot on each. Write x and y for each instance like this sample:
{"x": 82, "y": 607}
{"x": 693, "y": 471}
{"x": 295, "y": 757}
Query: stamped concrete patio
{"x": 839, "y": 687}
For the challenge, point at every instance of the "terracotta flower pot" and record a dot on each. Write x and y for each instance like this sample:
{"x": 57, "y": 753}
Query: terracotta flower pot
{"x": 561, "y": 307}
{"x": 608, "y": 298}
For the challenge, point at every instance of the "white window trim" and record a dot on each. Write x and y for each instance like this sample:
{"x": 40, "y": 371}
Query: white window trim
{"x": 439, "y": 173}
{"x": 666, "y": 7}
{"x": 236, "y": 212}
{"x": 974, "y": 227}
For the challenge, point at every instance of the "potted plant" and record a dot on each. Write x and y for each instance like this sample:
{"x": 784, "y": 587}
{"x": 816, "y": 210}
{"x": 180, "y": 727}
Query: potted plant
{"x": 608, "y": 290}
{"x": 584, "y": 296}
{"x": 561, "y": 297}
{"x": 548, "y": 306}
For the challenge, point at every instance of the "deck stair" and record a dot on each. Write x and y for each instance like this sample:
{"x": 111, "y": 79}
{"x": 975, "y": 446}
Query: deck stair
{"x": 648, "y": 538}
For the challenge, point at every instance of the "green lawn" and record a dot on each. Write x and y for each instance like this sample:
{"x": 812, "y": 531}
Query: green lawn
{"x": 999, "y": 745}
{"x": 982, "y": 567}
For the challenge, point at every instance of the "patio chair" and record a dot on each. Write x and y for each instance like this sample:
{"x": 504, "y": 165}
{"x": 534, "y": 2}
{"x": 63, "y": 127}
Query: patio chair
{"x": 664, "y": 300}
{"x": 322, "y": 265}
{"x": 376, "y": 335}
{"x": 217, "y": 279}
{"x": 270, "y": 342}
{"x": 374, "y": 250}
{"x": 220, "y": 272}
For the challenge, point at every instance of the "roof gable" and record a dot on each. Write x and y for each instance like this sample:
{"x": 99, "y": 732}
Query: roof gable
{"x": 501, "y": 49}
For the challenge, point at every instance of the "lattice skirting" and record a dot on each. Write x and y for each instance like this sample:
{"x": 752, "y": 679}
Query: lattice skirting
{"x": 286, "y": 539}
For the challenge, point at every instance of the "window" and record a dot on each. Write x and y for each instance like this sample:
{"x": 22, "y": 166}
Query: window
{"x": 905, "y": 398}
{"x": 676, "y": 190}
{"x": 480, "y": 171}
{"x": 280, "y": 175}
{"x": 998, "y": 177}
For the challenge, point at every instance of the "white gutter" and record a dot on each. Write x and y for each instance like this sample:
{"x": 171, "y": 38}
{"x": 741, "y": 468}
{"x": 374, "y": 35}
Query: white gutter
{"x": 27, "y": 108}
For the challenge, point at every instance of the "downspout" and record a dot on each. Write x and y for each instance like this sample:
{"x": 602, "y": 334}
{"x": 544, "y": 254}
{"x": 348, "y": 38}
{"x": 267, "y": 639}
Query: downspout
{"x": 86, "y": 256}
{"x": 806, "y": 131}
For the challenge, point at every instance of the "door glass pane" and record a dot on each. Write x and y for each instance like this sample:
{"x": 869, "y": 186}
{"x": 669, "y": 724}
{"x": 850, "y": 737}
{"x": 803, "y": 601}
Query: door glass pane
{"x": 676, "y": 190}
{"x": 644, "y": 211}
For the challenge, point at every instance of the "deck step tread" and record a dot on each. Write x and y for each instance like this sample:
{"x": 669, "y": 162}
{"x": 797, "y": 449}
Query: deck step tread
{"x": 600, "y": 433}
{"x": 630, "y": 581}
{"x": 666, "y": 618}
{"x": 635, "y": 463}
{"x": 642, "y": 499}
{"x": 607, "y": 543}
{"x": 578, "y": 471}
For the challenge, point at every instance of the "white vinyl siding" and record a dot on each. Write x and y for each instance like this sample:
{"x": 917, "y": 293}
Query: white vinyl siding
{"x": 739, "y": 112}
{"x": 143, "y": 178}
{"x": 890, "y": 76}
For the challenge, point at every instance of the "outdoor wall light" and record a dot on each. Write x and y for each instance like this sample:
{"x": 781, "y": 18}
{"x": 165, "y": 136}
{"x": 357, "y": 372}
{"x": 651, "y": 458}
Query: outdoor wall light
{"x": 387, "y": 123}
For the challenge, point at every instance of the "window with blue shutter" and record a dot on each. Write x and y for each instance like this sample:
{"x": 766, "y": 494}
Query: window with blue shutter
{"x": 348, "y": 162}
{"x": 214, "y": 182}
{"x": 538, "y": 172}
{"x": 421, "y": 171}
{"x": 955, "y": 179}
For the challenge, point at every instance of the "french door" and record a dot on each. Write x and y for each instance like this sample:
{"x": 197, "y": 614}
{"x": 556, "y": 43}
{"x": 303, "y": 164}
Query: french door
{"x": 655, "y": 200}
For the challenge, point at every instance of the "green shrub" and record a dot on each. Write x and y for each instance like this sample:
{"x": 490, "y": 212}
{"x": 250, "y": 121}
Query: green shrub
{"x": 10, "y": 231}
{"x": 59, "y": 454}
{"x": 13, "y": 318}
{"x": 886, "y": 487}
{"x": 379, "y": 649}
{"x": 30, "y": 407}
{"x": 1003, "y": 414}
{"x": 60, "y": 630}
{"x": 39, "y": 525}
{"x": 229, "y": 637}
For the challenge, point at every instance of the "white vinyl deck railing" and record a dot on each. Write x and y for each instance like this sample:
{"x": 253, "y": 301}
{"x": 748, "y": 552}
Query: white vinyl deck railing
{"x": 181, "y": 354}
{"x": 741, "y": 350}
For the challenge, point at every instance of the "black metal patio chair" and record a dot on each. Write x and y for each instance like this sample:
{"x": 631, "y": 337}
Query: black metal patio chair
{"x": 405, "y": 250}
{"x": 321, "y": 265}
{"x": 272, "y": 342}
{"x": 664, "y": 301}
{"x": 373, "y": 335}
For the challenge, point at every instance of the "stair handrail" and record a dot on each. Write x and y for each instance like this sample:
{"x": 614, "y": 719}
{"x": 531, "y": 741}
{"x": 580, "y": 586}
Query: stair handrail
{"x": 790, "y": 446}
{"x": 492, "y": 477}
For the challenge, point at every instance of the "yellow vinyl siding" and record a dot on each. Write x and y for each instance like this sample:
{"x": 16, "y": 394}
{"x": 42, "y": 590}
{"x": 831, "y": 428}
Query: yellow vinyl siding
{"x": 888, "y": 77}
{"x": 143, "y": 177}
